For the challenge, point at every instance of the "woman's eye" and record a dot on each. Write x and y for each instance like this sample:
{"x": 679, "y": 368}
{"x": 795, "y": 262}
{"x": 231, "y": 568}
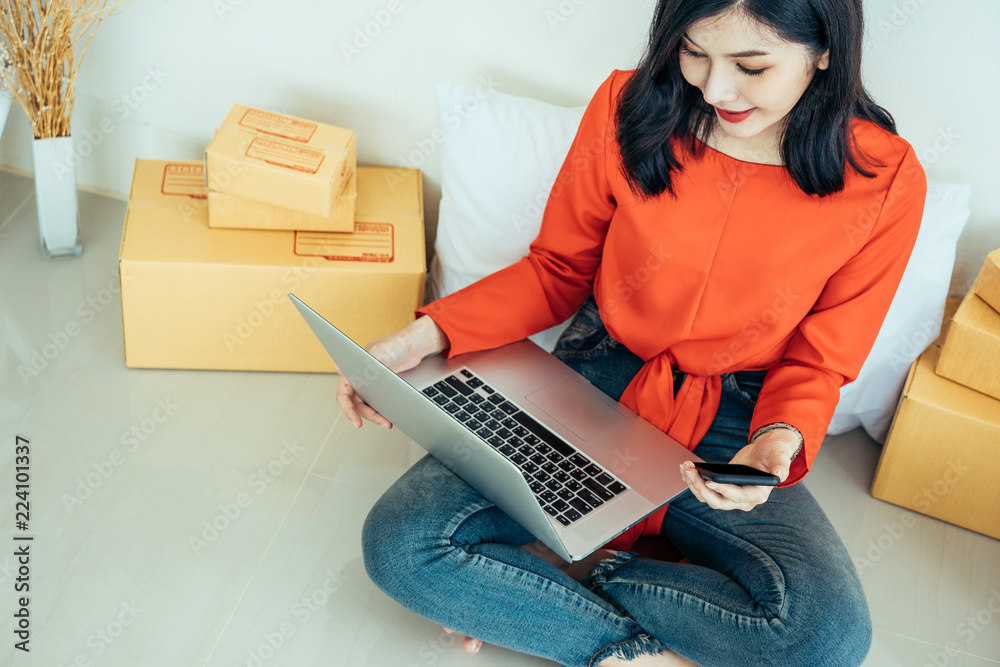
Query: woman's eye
{"x": 751, "y": 72}
{"x": 691, "y": 54}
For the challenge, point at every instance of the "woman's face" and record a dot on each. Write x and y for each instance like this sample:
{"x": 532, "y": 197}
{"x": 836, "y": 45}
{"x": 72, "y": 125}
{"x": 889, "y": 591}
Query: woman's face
{"x": 751, "y": 77}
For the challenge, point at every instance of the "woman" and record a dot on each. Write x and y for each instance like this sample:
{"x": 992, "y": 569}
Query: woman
{"x": 735, "y": 242}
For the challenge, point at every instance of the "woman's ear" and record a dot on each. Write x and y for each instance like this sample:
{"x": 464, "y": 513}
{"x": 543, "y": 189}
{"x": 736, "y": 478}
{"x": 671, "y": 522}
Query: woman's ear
{"x": 824, "y": 60}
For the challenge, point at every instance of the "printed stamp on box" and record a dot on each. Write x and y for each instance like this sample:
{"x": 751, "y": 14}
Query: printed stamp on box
{"x": 370, "y": 242}
{"x": 184, "y": 180}
{"x": 278, "y": 125}
{"x": 285, "y": 155}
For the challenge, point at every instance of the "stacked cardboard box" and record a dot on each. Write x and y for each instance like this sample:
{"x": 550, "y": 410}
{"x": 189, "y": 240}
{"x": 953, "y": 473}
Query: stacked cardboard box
{"x": 210, "y": 249}
{"x": 942, "y": 457}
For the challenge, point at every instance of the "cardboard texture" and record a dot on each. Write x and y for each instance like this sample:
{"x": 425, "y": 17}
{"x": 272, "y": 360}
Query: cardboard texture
{"x": 200, "y": 298}
{"x": 227, "y": 211}
{"x": 970, "y": 354}
{"x": 987, "y": 284}
{"x": 942, "y": 456}
{"x": 281, "y": 160}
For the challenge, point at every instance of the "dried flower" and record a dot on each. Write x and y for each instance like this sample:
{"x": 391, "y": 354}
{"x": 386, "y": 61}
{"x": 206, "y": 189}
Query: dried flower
{"x": 42, "y": 43}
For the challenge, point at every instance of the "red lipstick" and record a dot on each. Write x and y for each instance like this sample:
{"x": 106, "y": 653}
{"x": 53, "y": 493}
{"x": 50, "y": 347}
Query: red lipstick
{"x": 734, "y": 117}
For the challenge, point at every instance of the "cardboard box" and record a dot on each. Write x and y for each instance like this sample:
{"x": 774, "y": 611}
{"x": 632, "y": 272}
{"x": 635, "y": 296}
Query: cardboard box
{"x": 227, "y": 211}
{"x": 200, "y": 298}
{"x": 281, "y": 160}
{"x": 987, "y": 284}
{"x": 942, "y": 457}
{"x": 970, "y": 354}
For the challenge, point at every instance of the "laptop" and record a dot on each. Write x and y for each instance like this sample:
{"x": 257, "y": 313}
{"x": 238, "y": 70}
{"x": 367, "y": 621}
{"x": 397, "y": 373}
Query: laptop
{"x": 570, "y": 464}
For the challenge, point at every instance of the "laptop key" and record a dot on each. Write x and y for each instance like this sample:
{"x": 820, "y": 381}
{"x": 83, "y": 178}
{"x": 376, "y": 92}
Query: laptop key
{"x": 573, "y": 485}
{"x": 580, "y": 460}
{"x": 484, "y": 433}
{"x": 504, "y": 433}
{"x": 553, "y": 485}
{"x": 451, "y": 407}
{"x": 508, "y": 407}
{"x": 441, "y": 399}
{"x": 518, "y": 459}
{"x": 567, "y": 465}
{"x": 572, "y": 514}
{"x": 467, "y": 373}
{"x": 563, "y": 520}
{"x": 548, "y": 496}
{"x": 591, "y": 499}
{"x": 495, "y": 442}
{"x": 561, "y": 476}
{"x": 593, "y": 470}
{"x": 511, "y": 424}
{"x": 430, "y": 391}
{"x": 473, "y": 425}
{"x": 578, "y": 475}
{"x": 493, "y": 425}
{"x": 536, "y": 487}
{"x": 458, "y": 385}
{"x": 495, "y": 399}
{"x": 476, "y": 398}
{"x": 463, "y": 416}
{"x": 461, "y": 400}
{"x": 616, "y": 487}
{"x": 565, "y": 494}
{"x": 605, "y": 478}
{"x": 580, "y": 506}
{"x": 601, "y": 492}
{"x": 560, "y": 505}
{"x": 531, "y": 440}
{"x": 528, "y": 466}
{"x": 551, "y": 510}
{"x": 504, "y": 448}
{"x": 446, "y": 389}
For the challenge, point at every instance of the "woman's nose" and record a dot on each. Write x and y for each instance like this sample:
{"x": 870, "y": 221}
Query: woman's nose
{"x": 720, "y": 88}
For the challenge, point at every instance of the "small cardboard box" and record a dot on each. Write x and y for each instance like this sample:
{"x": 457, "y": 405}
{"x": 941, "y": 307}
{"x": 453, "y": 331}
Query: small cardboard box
{"x": 942, "y": 457}
{"x": 987, "y": 284}
{"x": 283, "y": 161}
{"x": 970, "y": 354}
{"x": 200, "y": 298}
{"x": 227, "y": 211}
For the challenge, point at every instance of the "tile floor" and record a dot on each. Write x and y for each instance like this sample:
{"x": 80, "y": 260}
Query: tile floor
{"x": 213, "y": 518}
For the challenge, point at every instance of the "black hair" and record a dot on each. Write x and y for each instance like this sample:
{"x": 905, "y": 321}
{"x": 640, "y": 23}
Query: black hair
{"x": 657, "y": 105}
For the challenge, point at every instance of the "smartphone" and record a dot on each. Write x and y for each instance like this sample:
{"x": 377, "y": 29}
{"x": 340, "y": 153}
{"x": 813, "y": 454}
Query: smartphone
{"x": 731, "y": 473}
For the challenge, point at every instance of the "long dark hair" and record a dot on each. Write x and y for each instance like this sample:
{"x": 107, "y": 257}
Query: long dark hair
{"x": 657, "y": 104}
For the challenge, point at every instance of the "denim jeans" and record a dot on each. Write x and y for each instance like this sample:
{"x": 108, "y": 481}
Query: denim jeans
{"x": 772, "y": 586}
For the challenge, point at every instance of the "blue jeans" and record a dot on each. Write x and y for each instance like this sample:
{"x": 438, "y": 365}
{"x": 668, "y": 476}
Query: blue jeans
{"x": 773, "y": 586}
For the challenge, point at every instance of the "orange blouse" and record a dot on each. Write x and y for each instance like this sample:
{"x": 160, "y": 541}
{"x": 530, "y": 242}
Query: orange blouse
{"x": 740, "y": 271}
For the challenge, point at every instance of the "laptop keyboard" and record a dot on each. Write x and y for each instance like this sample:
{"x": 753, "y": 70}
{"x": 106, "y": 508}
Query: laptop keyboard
{"x": 567, "y": 484}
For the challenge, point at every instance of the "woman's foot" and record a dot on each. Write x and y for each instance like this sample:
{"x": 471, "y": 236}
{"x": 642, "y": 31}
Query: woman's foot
{"x": 468, "y": 643}
{"x": 665, "y": 659}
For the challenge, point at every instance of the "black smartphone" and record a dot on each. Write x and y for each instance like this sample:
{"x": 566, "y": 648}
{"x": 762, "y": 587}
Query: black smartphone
{"x": 731, "y": 473}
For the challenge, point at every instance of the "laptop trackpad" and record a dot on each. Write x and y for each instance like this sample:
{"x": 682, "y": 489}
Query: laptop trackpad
{"x": 570, "y": 402}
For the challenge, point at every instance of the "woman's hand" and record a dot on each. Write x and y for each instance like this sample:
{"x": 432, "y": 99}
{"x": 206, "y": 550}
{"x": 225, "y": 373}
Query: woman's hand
{"x": 771, "y": 452}
{"x": 399, "y": 351}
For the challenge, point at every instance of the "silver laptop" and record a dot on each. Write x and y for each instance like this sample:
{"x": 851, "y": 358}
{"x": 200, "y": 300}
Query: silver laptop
{"x": 560, "y": 457}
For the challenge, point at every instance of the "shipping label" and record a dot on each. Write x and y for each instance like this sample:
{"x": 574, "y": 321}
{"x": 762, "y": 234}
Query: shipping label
{"x": 184, "y": 180}
{"x": 370, "y": 242}
{"x": 278, "y": 125}
{"x": 285, "y": 155}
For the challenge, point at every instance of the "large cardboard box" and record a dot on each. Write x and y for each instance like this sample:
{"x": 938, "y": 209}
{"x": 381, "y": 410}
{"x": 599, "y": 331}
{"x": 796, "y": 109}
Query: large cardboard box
{"x": 286, "y": 162}
{"x": 942, "y": 457}
{"x": 987, "y": 284}
{"x": 200, "y": 298}
{"x": 970, "y": 354}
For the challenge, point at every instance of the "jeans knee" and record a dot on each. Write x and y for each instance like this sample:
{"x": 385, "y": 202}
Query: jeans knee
{"x": 834, "y": 633}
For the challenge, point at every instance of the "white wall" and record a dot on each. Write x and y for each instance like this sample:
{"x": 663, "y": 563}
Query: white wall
{"x": 163, "y": 74}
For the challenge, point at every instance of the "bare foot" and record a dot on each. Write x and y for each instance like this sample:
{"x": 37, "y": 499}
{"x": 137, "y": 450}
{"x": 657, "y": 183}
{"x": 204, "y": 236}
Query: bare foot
{"x": 665, "y": 659}
{"x": 468, "y": 643}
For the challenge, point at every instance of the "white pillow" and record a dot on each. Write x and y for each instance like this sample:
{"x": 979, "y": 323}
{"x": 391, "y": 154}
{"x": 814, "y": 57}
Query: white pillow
{"x": 914, "y": 318}
{"x": 501, "y": 154}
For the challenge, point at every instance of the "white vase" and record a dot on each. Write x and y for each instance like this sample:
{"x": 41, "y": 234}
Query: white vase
{"x": 55, "y": 194}
{"x": 5, "y": 100}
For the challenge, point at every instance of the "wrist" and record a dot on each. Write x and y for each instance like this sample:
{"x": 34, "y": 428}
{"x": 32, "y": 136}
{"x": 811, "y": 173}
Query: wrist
{"x": 427, "y": 337}
{"x": 786, "y": 435}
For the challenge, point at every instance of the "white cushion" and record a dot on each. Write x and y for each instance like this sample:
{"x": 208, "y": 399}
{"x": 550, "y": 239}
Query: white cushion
{"x": 500, "y": 155}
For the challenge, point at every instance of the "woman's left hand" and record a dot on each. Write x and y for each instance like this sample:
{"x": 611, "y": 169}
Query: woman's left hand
{"x": 771, "y": 452}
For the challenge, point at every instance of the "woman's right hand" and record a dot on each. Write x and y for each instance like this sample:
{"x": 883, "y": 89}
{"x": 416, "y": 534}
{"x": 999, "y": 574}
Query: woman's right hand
{"x": 399, "y": 351}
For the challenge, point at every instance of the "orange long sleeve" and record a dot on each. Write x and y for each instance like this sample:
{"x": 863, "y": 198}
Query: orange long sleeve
{"x": 741, "y": 270}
